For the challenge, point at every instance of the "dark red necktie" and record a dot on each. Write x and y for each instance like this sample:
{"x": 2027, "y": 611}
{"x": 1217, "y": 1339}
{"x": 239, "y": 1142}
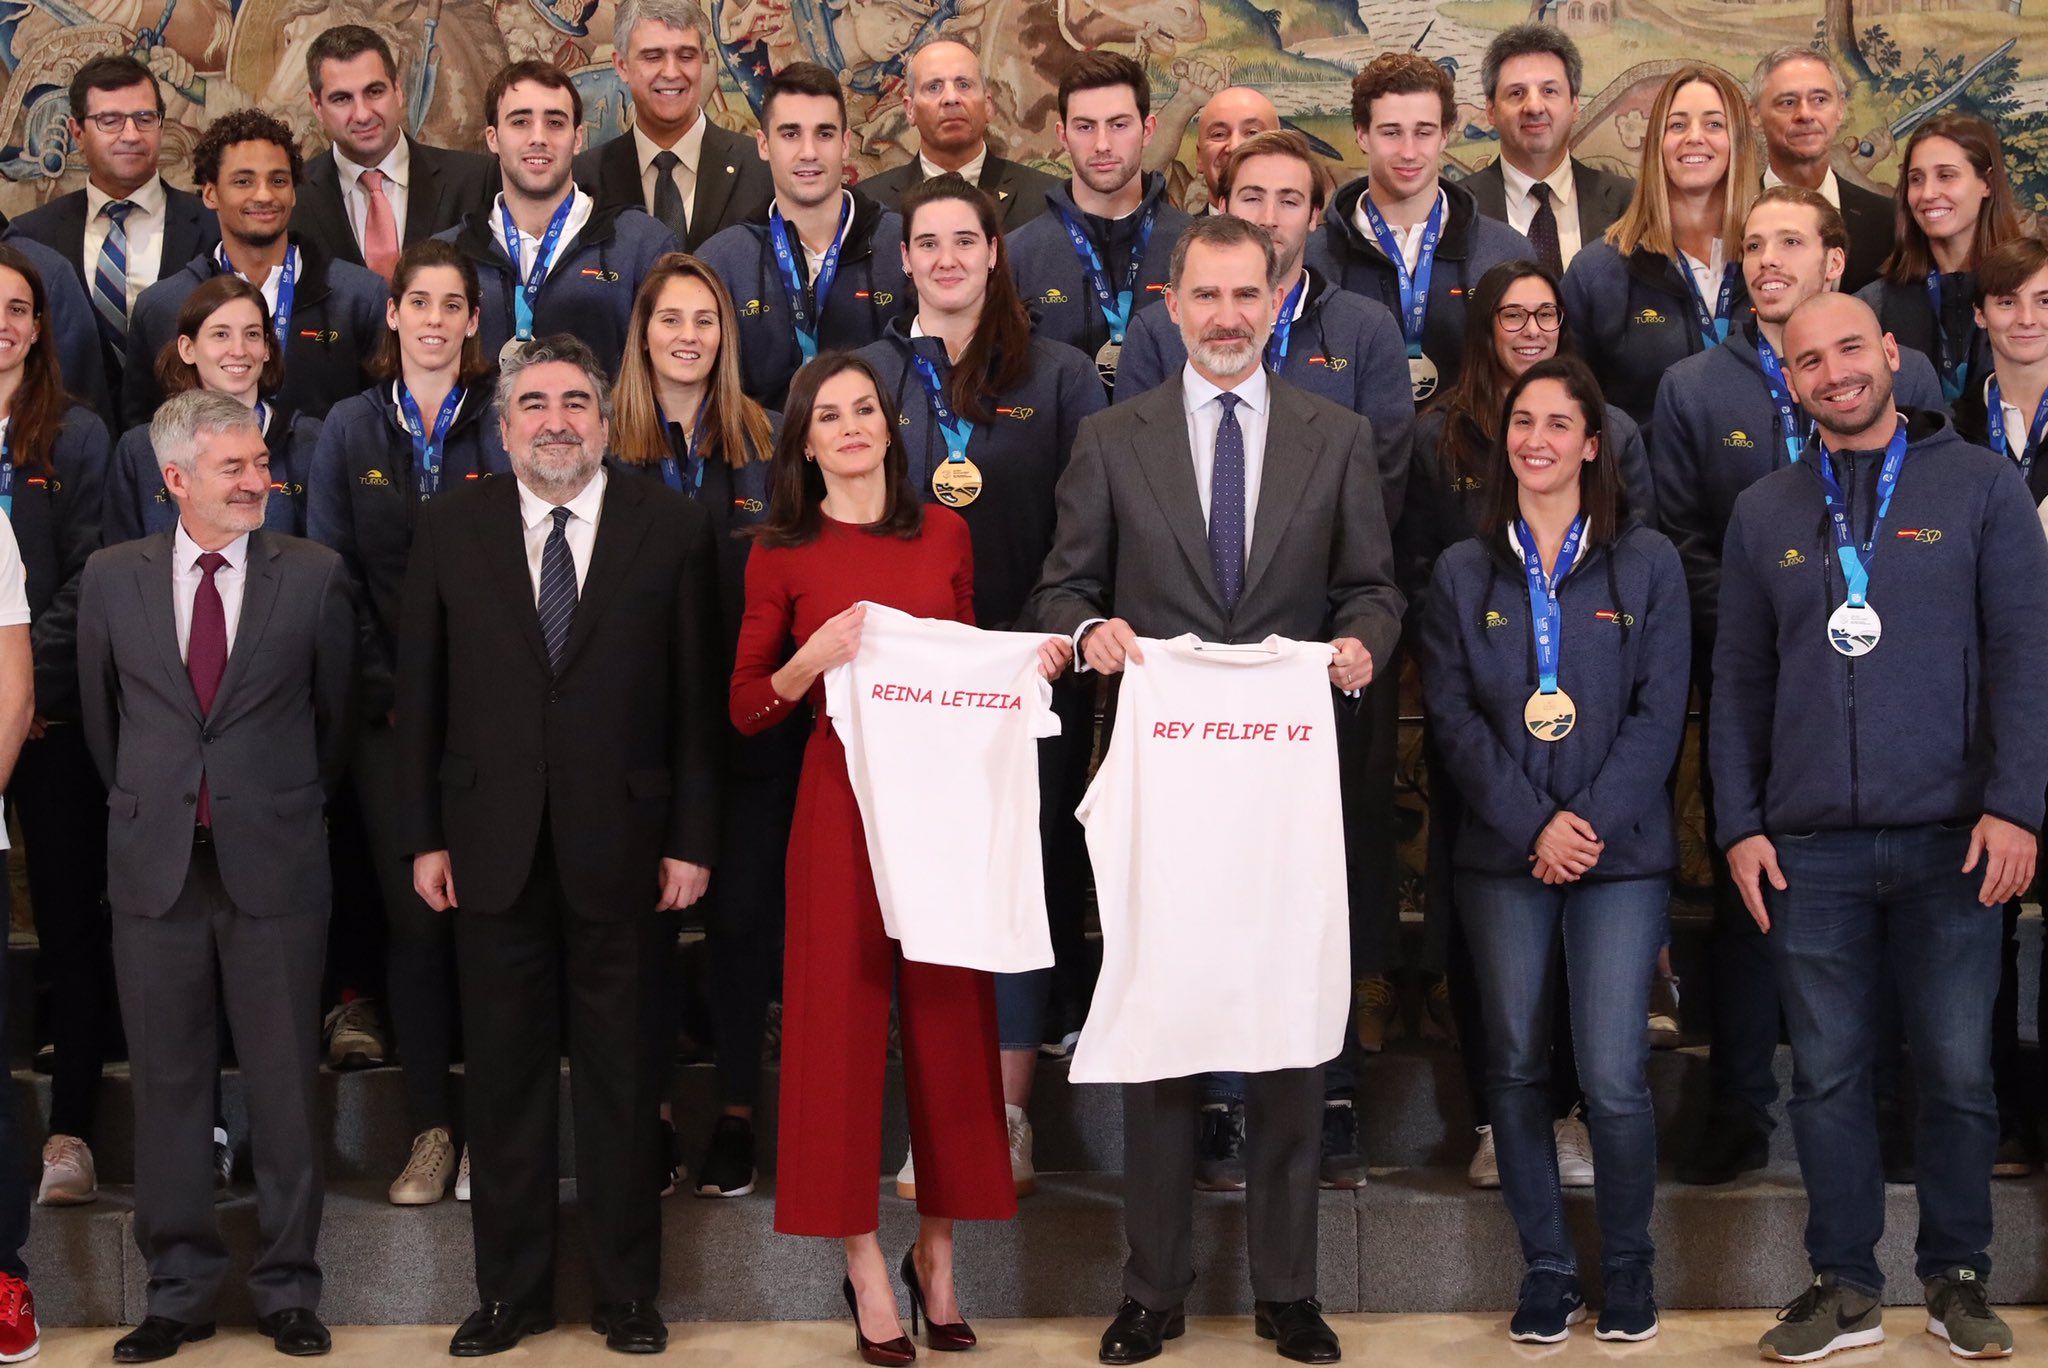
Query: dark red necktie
{"x": 206, "y": 655}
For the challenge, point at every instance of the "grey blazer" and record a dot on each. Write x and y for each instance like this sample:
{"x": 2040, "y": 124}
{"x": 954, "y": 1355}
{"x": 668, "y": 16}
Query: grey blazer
{"x": 272, "y": 748}
{"x": 1602, "y": 196}
{"x": 1131, "y": 541}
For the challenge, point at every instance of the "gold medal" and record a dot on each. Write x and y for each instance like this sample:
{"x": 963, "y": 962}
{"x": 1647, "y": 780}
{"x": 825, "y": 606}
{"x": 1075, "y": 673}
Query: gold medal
{"x": 956, "y": 484}
{"x": 1106, "y": 357}
{"x": 1549, "y": 716}
{"x": 1422, "y": 377}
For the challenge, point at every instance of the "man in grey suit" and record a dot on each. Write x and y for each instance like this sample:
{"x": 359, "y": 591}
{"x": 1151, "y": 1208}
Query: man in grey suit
{"x": 1531, "y": 73}
{"x": 1149, "y": 544}
{"x": 215, "y": 663}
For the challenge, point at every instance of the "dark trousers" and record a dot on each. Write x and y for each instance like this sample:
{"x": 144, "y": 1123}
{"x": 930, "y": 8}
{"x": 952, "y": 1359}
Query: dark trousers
{"x": 2019, "y": 1095}
{"x": 1283, "y": 1151}
{"x": 63, "y": 810}
{"x": 1743, "y": 1011}
{"x": 268, "y": 974}
{"x": 525, "y": 973}
{"x": 14, "y": 1181}
{"x": 1022, "y": 999}
{"x": 1861, "y": 906}
{"x": 420, "y": 966}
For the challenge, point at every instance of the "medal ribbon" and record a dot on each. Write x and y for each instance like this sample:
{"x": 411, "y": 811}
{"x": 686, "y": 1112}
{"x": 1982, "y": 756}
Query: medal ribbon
{"x": 1791, "y": 422}
{"x": 287, "y": 290}
{"x": 956, "y": 430}
{"x": 1955, "y": 371}
{"x": 1283, "y": 326}
{"x": 529, "y": 289}
{"x": 428, "y": 447}
{"x": 807, "y": 308}
{"x": 2000, "y": 441}
{"x": 688, "y": 476}
{"x": 1856, "y": 561}
{"x": 1116, "y": 308}
{"x": 1415, "y": 288}
{"x": 1544, "y": 614}
{"x": 1713, "y": 326}
{"x": 7, "y": 469}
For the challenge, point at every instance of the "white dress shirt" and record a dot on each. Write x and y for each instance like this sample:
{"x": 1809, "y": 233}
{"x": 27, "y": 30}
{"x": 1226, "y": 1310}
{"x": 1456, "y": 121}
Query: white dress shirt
{"x": 397, "y": 169}
{"x": 689, "y": 150}
{"x": 1563, "y": 203}
{"x": 1204, "y": 411}
{"x": 814, "y": 259}
{"x": 580, "y": 531}
{"x": 185, "y": 578}
{"x": 1410, "y": 237}
{"x": 971, "y": 173}
{"x": 271, "y": 278}
{"x": 1830, "y": 188}
{"x": 144, "y": 229}
{"x": 580, "y": 208}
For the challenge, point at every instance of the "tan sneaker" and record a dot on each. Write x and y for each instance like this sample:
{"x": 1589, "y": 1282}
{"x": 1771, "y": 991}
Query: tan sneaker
{"x": 355, "y": 1036}
{"x": 1021, "y": 1172}
{"x": 1377, "y": 1016}
{"x": 425, "y": 1179}
{"x": 68, "y": 1177}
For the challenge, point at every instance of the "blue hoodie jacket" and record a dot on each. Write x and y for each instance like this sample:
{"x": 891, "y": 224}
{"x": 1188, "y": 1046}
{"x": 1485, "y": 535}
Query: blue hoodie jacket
{"x": 1715, "y": 433}
{"x": 1625, "y": 647}
{"x": 1942, "y": 721}
{"x": 138, "y": 505}
{"x": 1344, "y": 347}
{"x": 869, "y": 290}
{"x": 71, "y": 325}
{"x": 1633, "y": 318}
{"x": 1907, "y": 314}
{"x": 1053, "y": 282}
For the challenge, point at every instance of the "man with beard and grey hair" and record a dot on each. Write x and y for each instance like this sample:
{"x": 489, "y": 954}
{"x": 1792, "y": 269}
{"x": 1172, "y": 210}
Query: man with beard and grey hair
{"x": 558, "y": 713}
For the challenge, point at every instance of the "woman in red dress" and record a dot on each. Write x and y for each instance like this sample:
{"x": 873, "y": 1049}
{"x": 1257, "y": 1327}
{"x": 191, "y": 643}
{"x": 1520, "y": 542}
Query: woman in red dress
{"x": 843, "y": 525}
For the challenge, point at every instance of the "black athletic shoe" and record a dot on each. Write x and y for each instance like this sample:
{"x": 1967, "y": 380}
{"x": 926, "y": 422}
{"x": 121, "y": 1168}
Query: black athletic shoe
{"x": 728, "y": 1167}
{"x": 1550, "y": 1307}
{"x": 1219, "y": 1152}
{"x": 1343, "y": 1163}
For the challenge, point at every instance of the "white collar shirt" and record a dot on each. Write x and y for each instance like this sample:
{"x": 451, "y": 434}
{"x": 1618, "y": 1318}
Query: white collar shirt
{"x": 536, "y": 517}
{"x": 689, "y": 150}
{"x": 1205, "y": 414}
{"x": 185, "y": 578}
{"x": 397, "y": 169}
{"x": 1563, "y": 203}
{"x": 143, "y": 228}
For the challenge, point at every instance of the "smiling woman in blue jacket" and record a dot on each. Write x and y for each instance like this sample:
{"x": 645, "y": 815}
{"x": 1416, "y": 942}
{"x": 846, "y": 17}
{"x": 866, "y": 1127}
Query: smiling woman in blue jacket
{"x": 1556, "y": 647}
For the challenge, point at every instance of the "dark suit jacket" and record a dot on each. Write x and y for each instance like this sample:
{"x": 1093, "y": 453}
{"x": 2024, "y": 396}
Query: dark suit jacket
{"x": 271, "y": 750}
{"x": 1872, "y": 228}
{"x": 1601, "y": 196}
{"x": 1130, "y": 541}
{"x": 1019, "y": 191}
{"x": 618, "y": 750}
{"x": 733, "y": 185}
{"x": 446, "y": 185}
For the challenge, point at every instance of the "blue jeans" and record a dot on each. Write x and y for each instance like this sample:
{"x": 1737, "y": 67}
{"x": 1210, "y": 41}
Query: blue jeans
{"x": 1611, "y": 933}
{"x": 1858, "y": 905}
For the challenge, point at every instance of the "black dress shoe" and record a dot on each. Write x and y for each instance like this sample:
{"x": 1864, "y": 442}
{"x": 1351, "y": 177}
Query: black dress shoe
{"x": 1303, "y": 1334}
{"x": 1138, "y": 1332}
{"x": 630, "y": 1327}
{"x": 158, "y": 1337}
{"x": 495, "y": 1327}
{"x": 296, "y": 1331}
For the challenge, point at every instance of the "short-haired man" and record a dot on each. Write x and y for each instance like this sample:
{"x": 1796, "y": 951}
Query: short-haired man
{"x": 125, "y": 228}
{"x": 1799, "y": 100}
{"x": 327, "y": 315}
{"x": 694, "y": 177}
{"x": 216, "y": 663}
{"x": 1725, "y": 419}
{"x": 376, "y": 190}
{"x": 1102, "y": 253}
{"x": 1232, "y": 115}
{"x": 826, "y": 270}
{"x": 1401, "y": 234}
{"x": 1879, "y": 765}
{"x": 1536, "y": 187}
{"x": 549, "y": 258}
{"x": 949, "y": 105}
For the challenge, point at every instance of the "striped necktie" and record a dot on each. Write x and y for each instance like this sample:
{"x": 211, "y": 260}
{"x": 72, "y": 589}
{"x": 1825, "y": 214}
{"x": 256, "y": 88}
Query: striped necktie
{"x": 110, "y": 272}
{"x": 557, "y": 588}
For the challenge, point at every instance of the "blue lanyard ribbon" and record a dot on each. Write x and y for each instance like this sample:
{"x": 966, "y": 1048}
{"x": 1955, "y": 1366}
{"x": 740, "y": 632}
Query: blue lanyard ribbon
{"x": 287, "y": 290}
{"x": 1955, "y": 370}
{"x": 528, "y": 289}
{"x": 2001, "y": 441}
{"x": 1791, "y": 422}
{"x": 807, "y": 308}
{"x": 1856, "y": 560}
{"x": 956, "y": 430}
{"x": 1283, "y": 326}
{"x": 7, "y": 469}
{"x": 1713, "y": 326}
{"x": 1415, "y": 288}
{"x": 685, "y": 476}
{"x": 428, "y": 448}
{"x": 1544, "y": 614}
{"x": 1116, "y": 305}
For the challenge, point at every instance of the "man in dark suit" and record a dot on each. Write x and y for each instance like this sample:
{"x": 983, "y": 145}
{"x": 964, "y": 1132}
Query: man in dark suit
{"x": 215, "y": 663}
{"x": 125, "y": 228}
{"x": 1532, "y": 73}
{"x": 950, "y": 105}
{"x": 558, "y": 716}
{"x": 674, "y": 162}
{"x": 375, "y": 191}
{"x": 1134, "y": 555}
{"x": 1798, "y": 100}
{"x": 1233, "y": 114}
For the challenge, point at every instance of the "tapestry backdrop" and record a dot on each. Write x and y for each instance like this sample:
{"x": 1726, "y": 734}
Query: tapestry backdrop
{"x": 1904, "y": 60}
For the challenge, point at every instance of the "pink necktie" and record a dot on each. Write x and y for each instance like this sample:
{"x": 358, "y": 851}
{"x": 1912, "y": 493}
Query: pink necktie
{"x": 380, "y": 230}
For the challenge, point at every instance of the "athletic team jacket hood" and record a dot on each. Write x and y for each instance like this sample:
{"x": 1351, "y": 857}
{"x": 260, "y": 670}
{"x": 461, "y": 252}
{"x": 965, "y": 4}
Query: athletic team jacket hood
{"x": 138, "y": 505}
{"x": 1049, "y": 274}
{"x": 1633, "y": 319}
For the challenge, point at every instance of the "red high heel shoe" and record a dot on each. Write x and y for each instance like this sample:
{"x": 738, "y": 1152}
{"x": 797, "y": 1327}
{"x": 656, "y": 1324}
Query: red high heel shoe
{"x": 885, "y": 1353}
{"x": 943, "y": 1339}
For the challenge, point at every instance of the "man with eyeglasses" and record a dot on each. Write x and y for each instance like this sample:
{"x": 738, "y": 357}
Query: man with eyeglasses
{"x": 125, "y": 228}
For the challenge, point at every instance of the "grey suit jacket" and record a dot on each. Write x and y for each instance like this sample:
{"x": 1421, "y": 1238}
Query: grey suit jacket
{"x": 1131, "y": 541}
{"x": 1601, "y": 196}
{"x": 1019, "y": 191}
{"x": 271, "y": 750}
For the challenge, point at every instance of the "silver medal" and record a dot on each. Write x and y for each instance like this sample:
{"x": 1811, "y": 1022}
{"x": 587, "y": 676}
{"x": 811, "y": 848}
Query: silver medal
{"x": 1854, "y": 629}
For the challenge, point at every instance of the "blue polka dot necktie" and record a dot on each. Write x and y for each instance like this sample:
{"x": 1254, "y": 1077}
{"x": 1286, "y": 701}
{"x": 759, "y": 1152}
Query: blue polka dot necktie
{"x": 1226, "y": 505}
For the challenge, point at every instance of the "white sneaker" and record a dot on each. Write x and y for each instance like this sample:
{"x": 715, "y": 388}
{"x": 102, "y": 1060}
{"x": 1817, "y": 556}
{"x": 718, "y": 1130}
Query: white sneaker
{"x": 462, "y": 1177}
{"x": 1484, "y": 1170}
{"x": 223, "y": 1161}
{"x": 906, "y": 1179}
{"x": 68, "y": 1177}
{"x": 1574, "y": 1152}
{"x": 1021, "y": 1172}
{"x": 1664, "y": 1023}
